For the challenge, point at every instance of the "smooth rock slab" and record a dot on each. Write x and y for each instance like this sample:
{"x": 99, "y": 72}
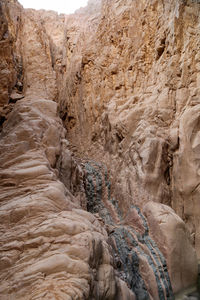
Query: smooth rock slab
{"x": 172, "y": 237}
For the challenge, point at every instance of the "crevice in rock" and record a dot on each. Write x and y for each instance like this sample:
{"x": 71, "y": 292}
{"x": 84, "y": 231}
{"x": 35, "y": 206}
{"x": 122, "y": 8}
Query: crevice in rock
{"x": 2, "y": 120}
{"x": 167, "y": 175}
{"x": 161, "y": 48}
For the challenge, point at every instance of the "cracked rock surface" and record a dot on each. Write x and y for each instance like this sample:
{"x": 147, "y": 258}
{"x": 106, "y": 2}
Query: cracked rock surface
{"x": 99, "y": 150}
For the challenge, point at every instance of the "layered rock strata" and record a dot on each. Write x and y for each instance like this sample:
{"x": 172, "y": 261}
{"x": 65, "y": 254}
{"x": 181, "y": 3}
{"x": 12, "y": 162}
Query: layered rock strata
{"x": 82, "y": 219}
{"x": 49, "y": 247}
{"x": 151, "y": 248}
{"x": 133, "y": 102}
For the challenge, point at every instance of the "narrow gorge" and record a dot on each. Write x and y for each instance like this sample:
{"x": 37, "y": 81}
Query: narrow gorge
{"x": 100, "y": 151}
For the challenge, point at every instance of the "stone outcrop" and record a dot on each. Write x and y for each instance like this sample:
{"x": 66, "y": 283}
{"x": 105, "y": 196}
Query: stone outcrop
{"x": 99, "y": 160}
{"x": 7, "y": 38}
{"x": 48, "y": 244}
{"x": 126, "y": 103}
{"x": 10, "y": 57}
{"x": 171, "y": 235}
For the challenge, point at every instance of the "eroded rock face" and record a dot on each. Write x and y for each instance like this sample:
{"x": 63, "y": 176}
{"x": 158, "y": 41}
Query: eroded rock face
{"x": 49, "y": 247}
{"x": 150, "y": 246}
{"x": 174, "y": 241}
{"x": 80, "y": 192}
{"x": 10, "y": 56}
{"x": 186, "y": 171}
{"x": 7, "y": 74}
{"x": 136, "y": 80}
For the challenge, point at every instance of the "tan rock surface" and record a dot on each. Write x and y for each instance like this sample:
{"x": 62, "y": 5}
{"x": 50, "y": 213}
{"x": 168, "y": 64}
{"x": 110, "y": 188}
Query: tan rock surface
{"x": 170, "y": 233}
{"x": 10, "y": 24}
{"x": 39, "y": 76}
{"x": 125, "y": 76}
{"x": 49, "y": 248}
{"x": 186, "y": 176}
{"x": 138, "y": 76}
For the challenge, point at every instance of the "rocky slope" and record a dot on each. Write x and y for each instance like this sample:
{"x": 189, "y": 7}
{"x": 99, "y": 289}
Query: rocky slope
{"x": 99, "y": 136}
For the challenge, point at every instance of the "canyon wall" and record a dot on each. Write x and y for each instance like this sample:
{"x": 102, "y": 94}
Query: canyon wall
{"x": 99, "y": 150}
{"x": 133, "y": 99}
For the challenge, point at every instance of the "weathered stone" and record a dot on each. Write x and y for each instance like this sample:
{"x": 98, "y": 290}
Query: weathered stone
{"x": 125, "y": 75}
{"x": 173, "y": 239}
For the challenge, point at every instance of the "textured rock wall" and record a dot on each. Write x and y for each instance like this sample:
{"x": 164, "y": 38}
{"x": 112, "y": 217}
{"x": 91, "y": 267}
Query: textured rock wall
{"x": 80, "y": 211}
{"x": 127, "y": 104}
{"x": 11, "y": 69}
{"x": 50, "y": 247}
{"x": 7, "y": 37}
{"x": 150, "y": 246}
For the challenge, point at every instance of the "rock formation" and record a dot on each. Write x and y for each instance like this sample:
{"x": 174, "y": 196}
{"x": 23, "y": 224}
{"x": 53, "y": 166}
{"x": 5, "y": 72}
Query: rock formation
{"x": 99, "y": 150}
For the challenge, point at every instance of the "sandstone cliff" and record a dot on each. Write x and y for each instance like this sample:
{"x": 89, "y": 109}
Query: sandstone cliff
{"x": 136, "y": 103}
{"x": 99, "y": 150}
